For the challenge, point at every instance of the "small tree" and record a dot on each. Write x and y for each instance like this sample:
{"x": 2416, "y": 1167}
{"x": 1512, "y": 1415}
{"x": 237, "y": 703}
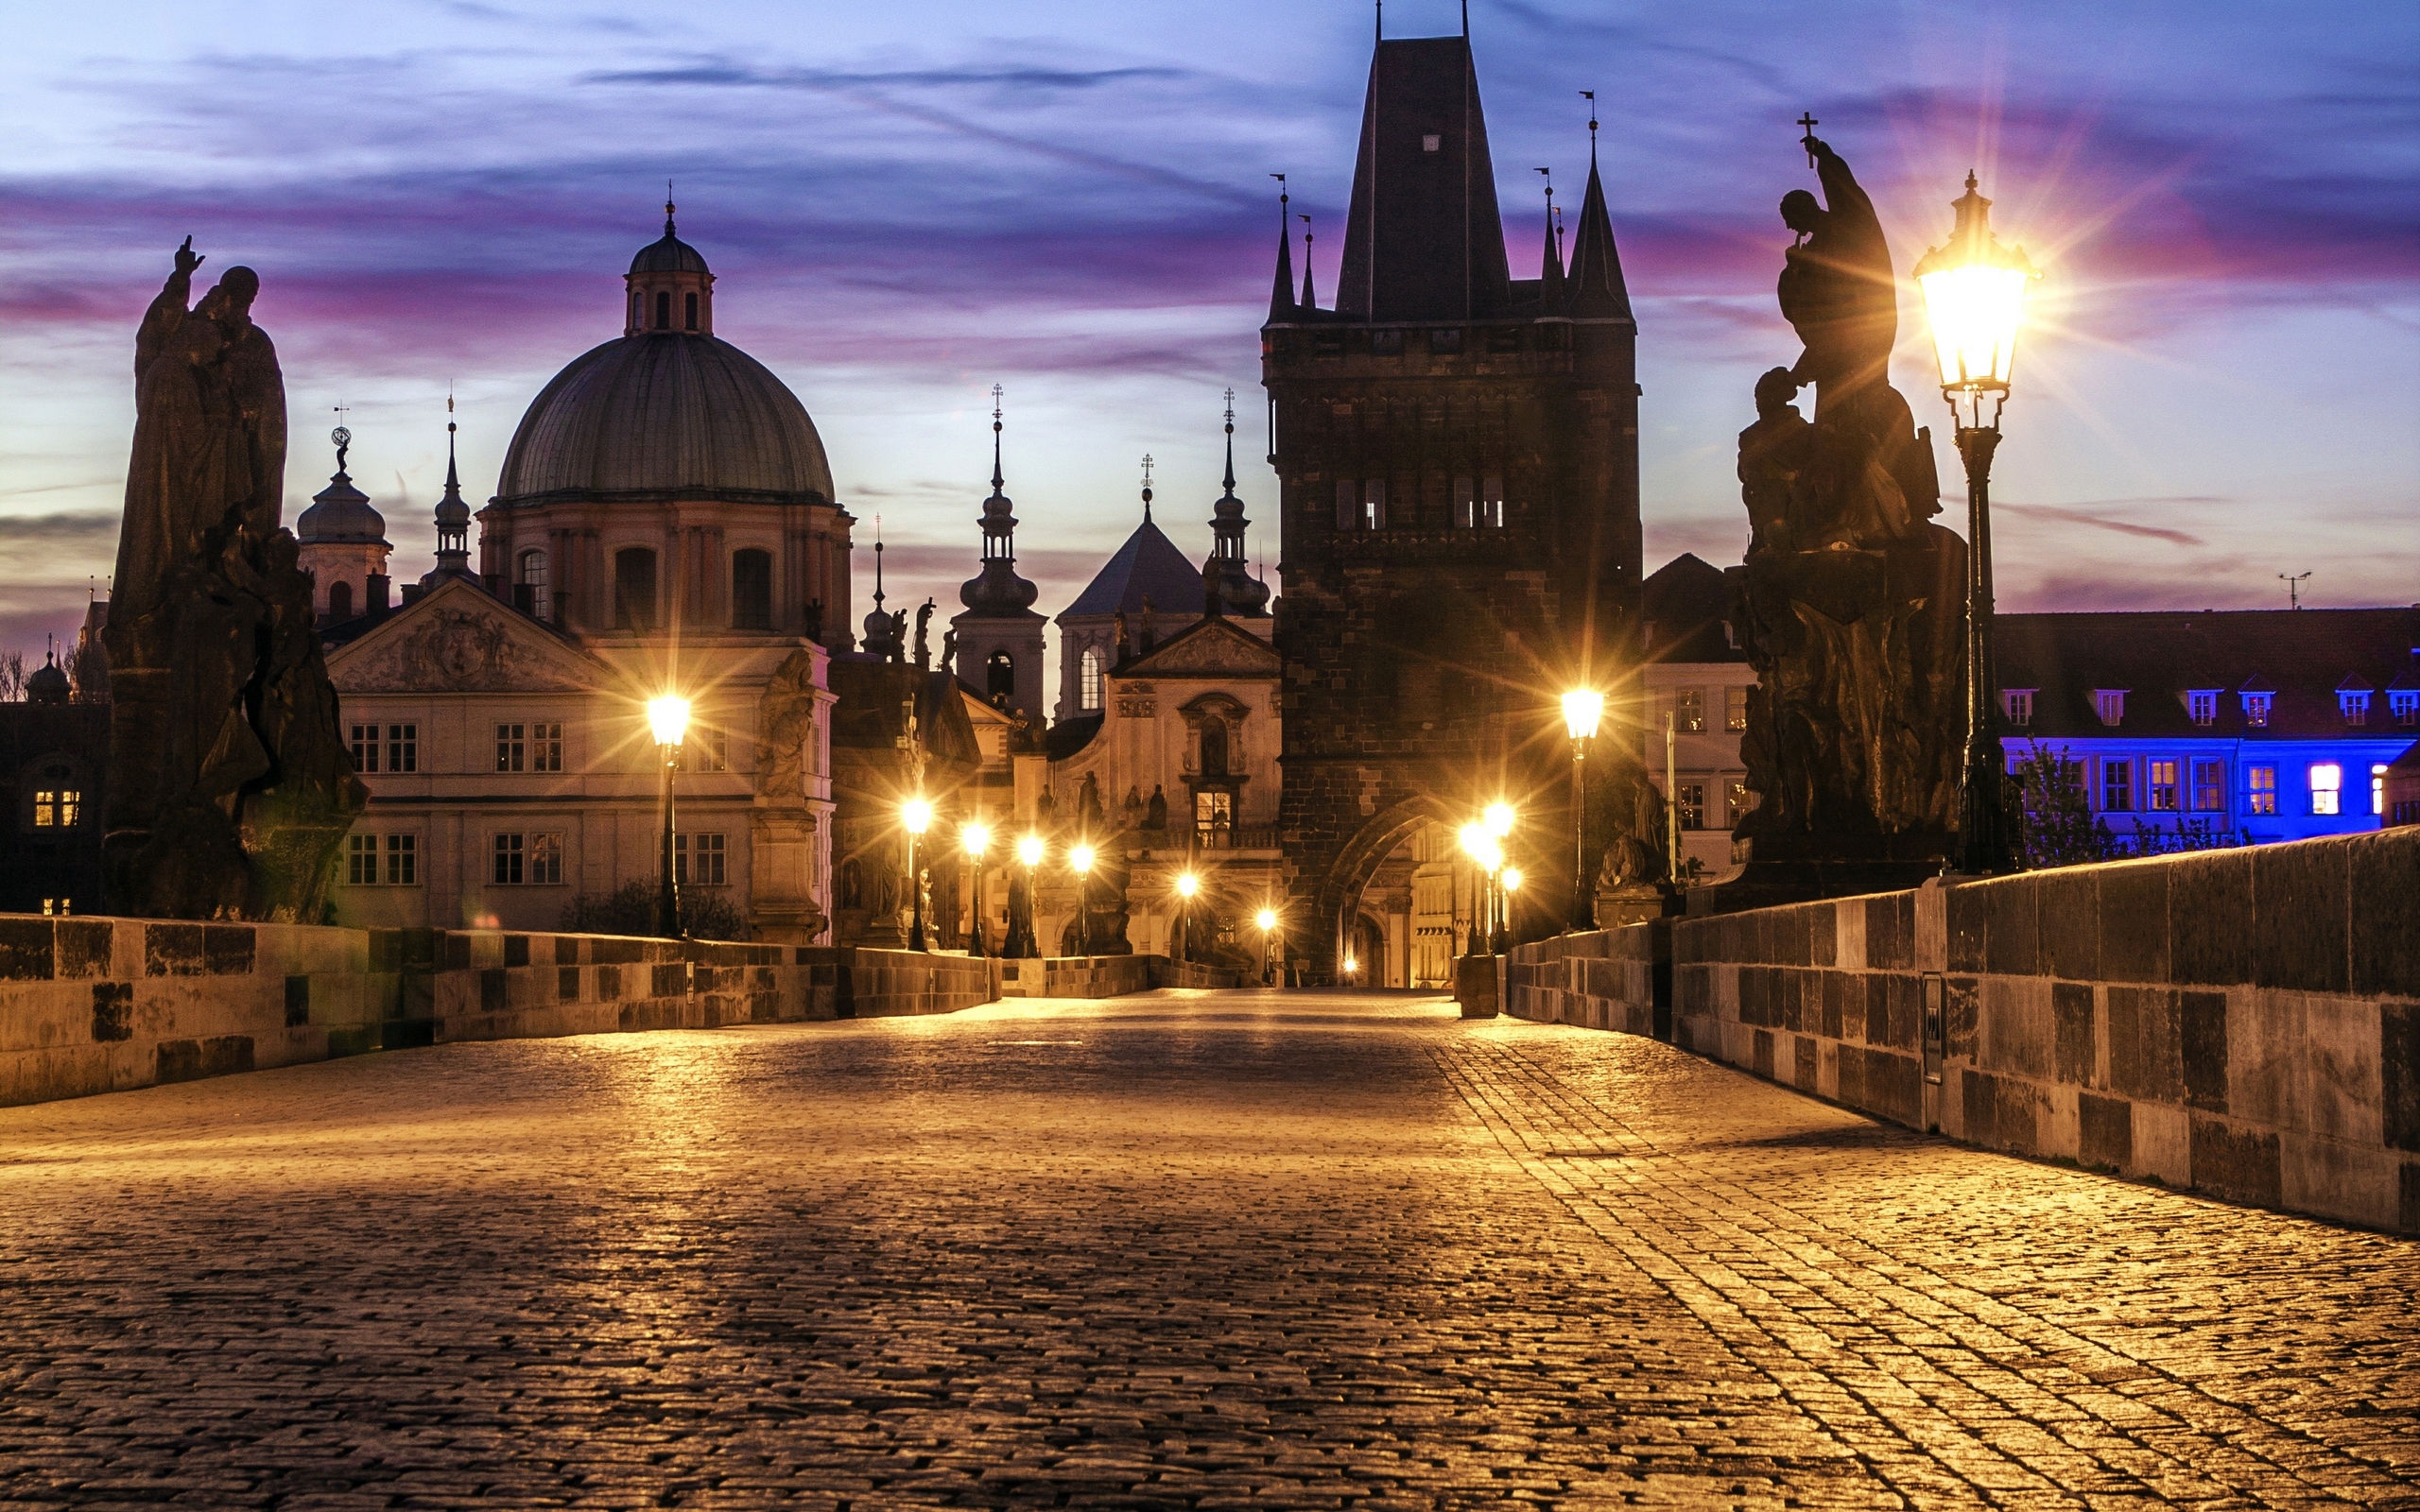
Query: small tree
{"x": 13, "y": 676}
{"x": 630, "y": 909}
{"x": 2052, "y": 815}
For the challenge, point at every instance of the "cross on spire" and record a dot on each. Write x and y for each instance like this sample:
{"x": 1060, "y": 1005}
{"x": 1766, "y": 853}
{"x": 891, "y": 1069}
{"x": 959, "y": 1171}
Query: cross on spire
{"x": 1146, "y": 488}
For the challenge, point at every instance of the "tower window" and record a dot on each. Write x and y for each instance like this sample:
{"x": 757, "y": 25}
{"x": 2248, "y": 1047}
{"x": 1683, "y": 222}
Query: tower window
{"x": 534, "y": 579}
{"x": 1491, "y": 503}
{"x": 1000, "y": 677}
{"x": 634, "y": 588}
{"x": 1348, "y": 503}
{"x": 1465, "y": 503}
{"x": 1088, "y": 681}
{"x": 1374, "y": 505}
{"x": 663, "y": 310}
{"x": 693, "y": 311}
{"x": 638, "y": 311}
{"x": 751, "y": 589}
{"x": 2203, "y": 705}
{"x": 340, "y": 603}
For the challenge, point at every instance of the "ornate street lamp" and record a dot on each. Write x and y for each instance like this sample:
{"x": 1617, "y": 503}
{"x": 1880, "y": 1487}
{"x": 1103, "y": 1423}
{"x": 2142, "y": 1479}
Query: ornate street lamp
{"x": 1022, "y": 943}
{"x": 667, "y": 719}
{"x": 1267, "y": 919}
{"x": 1582, "y": 708}
{"x": 915, "y": 816}
{"x": 1974, "y": 293}
{"x": 1082, "y": 859}
{"x": 1187, "y": 885}
{"x": 1474, "y": 842}
{"x": 975, "y": 839}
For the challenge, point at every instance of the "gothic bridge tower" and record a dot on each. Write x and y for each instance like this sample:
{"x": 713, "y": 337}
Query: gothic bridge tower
{"x": 1458, "y": 456}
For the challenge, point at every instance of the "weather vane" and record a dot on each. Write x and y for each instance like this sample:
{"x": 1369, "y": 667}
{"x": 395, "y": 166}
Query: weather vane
{"x": 341, "y": 436}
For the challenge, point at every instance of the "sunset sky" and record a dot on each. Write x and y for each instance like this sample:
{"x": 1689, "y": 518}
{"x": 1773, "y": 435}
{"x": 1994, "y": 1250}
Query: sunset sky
{"x": 907, "y": 203}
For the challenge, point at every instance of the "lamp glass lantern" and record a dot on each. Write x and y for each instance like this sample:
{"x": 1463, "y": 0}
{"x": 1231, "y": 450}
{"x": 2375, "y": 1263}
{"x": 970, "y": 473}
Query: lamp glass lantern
{"x": 1582, "y": 710}
{"x": 1974, "y": 292}
{"x": 667, "y": 720}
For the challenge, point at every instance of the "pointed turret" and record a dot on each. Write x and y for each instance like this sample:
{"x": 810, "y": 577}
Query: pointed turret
{"x": 453, "y": 523}
{"x": 1550, "y": 289}
{"x": 1227, "y": 585}
{"x": 1281, "y": 292}
{"x": 1424, "y": 240}
{"x": 1310, "y": 295}
{"x": 1596, "y": 281}
{"x": 998, "y": 590}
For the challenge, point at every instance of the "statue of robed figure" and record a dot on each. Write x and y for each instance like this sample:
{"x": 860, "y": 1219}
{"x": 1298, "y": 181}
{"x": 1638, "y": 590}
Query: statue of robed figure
{"x": 1850, "y": 604}
{"x": 231, "y": 791}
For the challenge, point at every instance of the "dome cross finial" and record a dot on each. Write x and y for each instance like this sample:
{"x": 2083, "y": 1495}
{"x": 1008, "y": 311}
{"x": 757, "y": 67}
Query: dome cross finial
{"x": 998, "y": 481}
{"x": 667, "y": 207}
{"x": 1146, "y": 488}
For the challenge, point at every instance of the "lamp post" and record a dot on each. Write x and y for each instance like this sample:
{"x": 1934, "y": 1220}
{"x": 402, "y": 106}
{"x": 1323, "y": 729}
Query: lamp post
{"x": 1187, "y": 885}
{"x": 1511, "y": 889}
{"x": 1474, "y": 841}
{"x": 1582, "y": 708}
{"x": 1499, "y": 829}
{"x": 667, "y": 719}
{"x": 975, "y": 839}
{"x": 1082, "y": 859}
{"x": 1974, "y": 294}
{"x": 1267, "y": 919}
{"x": 1022, "y": 943}
{"x": 916, "y": 816}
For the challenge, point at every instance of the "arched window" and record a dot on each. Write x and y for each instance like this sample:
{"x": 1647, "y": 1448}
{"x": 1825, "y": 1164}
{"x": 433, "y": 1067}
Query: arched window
{"x": 1214, "y": 748}
{"x": 1000, "y": 677}
{"x": 1088, "y": 681}
{"x": 533, "y": 579}
{"x": 751, "y": 589}
{"x": 693, "y": 312}
{"x": 664, "y": 309}
{"x": 634, "y": 588}
{"x": 340, "y": 603}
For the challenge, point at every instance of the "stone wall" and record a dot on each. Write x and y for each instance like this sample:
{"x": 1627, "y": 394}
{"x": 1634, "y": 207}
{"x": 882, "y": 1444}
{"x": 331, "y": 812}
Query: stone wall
{"x": 2246, "y": 1023}
{"x": 94, "y": 1005}
{"x": 886, "y": 983}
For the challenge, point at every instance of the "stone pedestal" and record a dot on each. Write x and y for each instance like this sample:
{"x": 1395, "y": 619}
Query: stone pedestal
{"x": 1477, "y": 980}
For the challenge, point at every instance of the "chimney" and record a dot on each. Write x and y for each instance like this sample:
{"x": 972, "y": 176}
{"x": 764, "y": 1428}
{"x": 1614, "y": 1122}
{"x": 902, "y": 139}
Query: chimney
{"x": 373, "y": 595}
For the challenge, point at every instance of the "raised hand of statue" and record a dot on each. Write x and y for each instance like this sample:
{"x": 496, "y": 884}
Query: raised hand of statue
{"x": 187, "y": 259}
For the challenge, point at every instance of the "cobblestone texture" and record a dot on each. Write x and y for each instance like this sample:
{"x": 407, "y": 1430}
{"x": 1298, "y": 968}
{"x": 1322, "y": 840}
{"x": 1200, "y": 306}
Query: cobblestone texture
{"x": 1192, "y": 1249}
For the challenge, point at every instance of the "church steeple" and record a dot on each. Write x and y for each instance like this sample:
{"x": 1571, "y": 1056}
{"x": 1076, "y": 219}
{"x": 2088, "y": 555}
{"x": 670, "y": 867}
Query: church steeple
{"x": 1228, "y": 587}
{"x": 1425, "y": 239}
{"x": 1595, "y": 283}
{"x": 1281, "y": 292}
{"x": 453, "y": 519}
{"x": 1550, "y": 258}
{"x": 998, "y": 592}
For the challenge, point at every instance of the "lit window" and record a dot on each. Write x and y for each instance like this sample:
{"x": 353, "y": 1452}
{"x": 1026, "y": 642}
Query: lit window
{"x": 707, "y": 871}
{"x": 2260, "y": 783}
{"x": 1088, "y": 681}
{"x": 2203, "y": 705}
{"x": 402, "y": 747}
{"x": 509, "y": 747}
{"x": 1374, "y": 505}
{"x": 1214, "y": 816}
{"x": 508, "y": 858}
{"x": 45, "y": 808}
{"x": 2405, "y": 705}
{"x": 403, "y": 861}
{"x": 2209, "y": 786}
{"x": 365, "y": 747}
{"x": 545, "y": 859}
{"x": 2019, "y": 703}
{"x": 2255, "y": 710}
{"x": 2109, "y": 704}
{"x": 1491, "y": 503}
{"x": 2117, "y": 786}
{"x": 1736, "y": 801}
{"x": 1688, "y": 711}
{"x": 2355, "y": 705}
{"x": 2163, "y": 787}
{"x": 1734, "y": 709}
{"x": 2326, "y": 788}
{"x": 1692, "y": 805}
{"x": 2377, "y": 788}
{"x": 547, "y": 747}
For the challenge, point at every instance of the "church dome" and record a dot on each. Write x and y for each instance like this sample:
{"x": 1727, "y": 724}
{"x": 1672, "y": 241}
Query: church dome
{"x": 669, "y": 254}
{"x": 666, "y": 415}
{"x": 47, "y": 685}
{"x": 340, "y": 514}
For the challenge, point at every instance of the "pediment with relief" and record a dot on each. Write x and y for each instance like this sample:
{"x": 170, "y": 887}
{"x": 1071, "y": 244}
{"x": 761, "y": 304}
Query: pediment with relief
{"x": 459, "y": 640}
{"x": 1210, "y": 648}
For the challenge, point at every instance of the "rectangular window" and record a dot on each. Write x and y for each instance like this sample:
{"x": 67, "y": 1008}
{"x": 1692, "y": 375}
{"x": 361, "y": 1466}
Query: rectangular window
{"x": 708, "y": 870}
{"x": 508, "y": 857}
{"x": 1465, "y": 505}
{"x": 2209, "y": 786}
{"x": 1445, "y": 341}
{"x": 71, "y": 807}
{"x": 1734, "y": 709}
{"x": 1736, "y": 801}
{"x": 1688, "y": 711}
{"x": 2202, "y": 706}
{"x": 546, "y": 860}
{"x": 45, "y": 809}
{"x": 2164, "y": 794}
{"x": 508, "y": 747}
{"x": 1692, "y": 805}
{"x": 707, "y": 750}
{"x": 2117, "y": 786}
{"x": 2109, "y": 704}
{"x": 2405, "y": 705}
{"x": 2255, "y": 710}
{"x": 1491, "y": 503}
{"x": 365, "y": 747}
{"x": 2377, "y": 788}
{"x": 360, "y": 860}
{"x": 1374, "y": 505}
{"x": 2261, "y": 787}
{"x": 402, "y": 747}
{"x": 1214, "y": 816}
{"x": 547, "y": 747}
{"x": 2355, "y": 706}
{"x": 2326, "y": 788}
{"x": 403, "y": 861}
{"x": 2019, "y": 704}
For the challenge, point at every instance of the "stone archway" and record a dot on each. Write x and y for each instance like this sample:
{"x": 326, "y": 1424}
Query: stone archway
{"x": 1335, "y": 898}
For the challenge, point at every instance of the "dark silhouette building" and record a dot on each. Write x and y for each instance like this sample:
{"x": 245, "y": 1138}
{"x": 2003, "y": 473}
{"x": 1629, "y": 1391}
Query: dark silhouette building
{"x": 54, "y": 763}
{"x": 1458, "y": 454}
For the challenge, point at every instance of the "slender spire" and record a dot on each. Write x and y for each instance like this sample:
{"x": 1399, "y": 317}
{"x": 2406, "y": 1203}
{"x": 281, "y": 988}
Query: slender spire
{"x": 1550, "y": 260}
{"x": 667, "y": 207}
{"x": 998, "y": 481}
{"x": 453, "y": 517}
{"x": 1595, "y": 282}
{"x": 1281, "y": 292}
{"x": 1310, "y": 296}
{"x": 1226, "y": 583}
{"x": 1229, "y": 483}
{"x": 997, "y": 591}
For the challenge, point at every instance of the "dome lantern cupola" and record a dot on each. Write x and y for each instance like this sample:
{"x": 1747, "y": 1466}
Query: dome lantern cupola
{"x": 341, "y": 542}
{"x": 668, "y": 290}
{"x": 999, "y": 592}
{"x": 1227, "y": 574}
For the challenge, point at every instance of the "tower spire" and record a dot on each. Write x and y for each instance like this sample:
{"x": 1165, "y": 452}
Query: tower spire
{"x": 1227, "y": 586}
{"x": 1281, "y": 293}
{"x": 1550, "y": 258}
{"x": 1229, "y": 482}
{"x": 453, "y": 518}
{"x": 1310, "y": 296}
{"x": 998, "y": 481}
{"x": 667, "y": 207}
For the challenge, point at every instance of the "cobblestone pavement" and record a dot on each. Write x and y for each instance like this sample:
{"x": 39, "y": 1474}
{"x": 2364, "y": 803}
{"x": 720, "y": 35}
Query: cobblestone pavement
{"x": 1186, "y": 1251}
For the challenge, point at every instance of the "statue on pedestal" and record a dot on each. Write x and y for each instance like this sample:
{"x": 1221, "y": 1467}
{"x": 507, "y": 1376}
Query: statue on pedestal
{"x": 1851, "y": 603}
{"x": 231, "y": 791}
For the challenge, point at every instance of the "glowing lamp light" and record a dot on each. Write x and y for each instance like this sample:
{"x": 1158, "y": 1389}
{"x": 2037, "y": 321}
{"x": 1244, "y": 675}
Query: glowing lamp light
{"x": 1500, "y": 819}
{"x": 1474, "y": 838}
{"x": 916, "y": 815}
{"x": 1351, "y": 965}
{"x": 669, "y": 718}
{"x": 1974, "y": 293}
{"x": 1029, "y": 849}
{"x": 1490, "y": 854}
{"x": 1267, "y": 919}
{"x": 1187, "y": 885}
{"x": 1582, "y": 710}
{"x": 1082, "y": 859}
{"x": 1512, "y": 879}
{"x": 975, "y": 839}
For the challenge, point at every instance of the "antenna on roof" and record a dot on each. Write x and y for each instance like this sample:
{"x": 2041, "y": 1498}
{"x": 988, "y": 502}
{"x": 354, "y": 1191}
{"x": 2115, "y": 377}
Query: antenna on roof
{"x": 2294, "y": 588}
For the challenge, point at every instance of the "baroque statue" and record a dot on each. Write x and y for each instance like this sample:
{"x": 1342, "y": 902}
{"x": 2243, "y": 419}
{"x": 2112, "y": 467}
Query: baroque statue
{"x": 231, "y": 790}
{"x": 1850, "y": 603}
